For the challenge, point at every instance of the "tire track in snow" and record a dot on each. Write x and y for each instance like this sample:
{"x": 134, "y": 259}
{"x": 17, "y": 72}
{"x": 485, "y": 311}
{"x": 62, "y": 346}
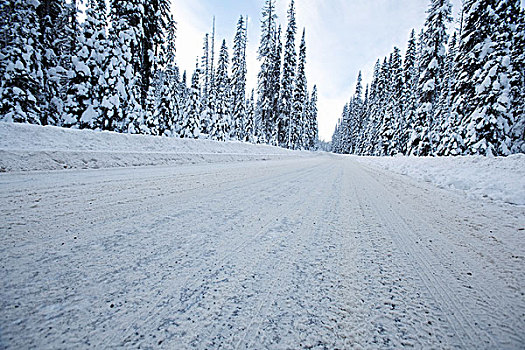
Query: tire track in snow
{"x": 192, "y": 267}
{"x": 195, "y": 286}
{"x": 157, "y": 208}
{"x": 449, "y": 294}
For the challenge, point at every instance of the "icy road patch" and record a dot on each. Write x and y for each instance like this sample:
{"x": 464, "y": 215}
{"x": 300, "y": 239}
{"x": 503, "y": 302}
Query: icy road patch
{"x": 319, "y": 252}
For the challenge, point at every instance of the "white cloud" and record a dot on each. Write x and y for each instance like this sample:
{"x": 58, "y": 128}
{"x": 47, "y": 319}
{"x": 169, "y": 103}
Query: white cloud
{"x": 192, "y": 18}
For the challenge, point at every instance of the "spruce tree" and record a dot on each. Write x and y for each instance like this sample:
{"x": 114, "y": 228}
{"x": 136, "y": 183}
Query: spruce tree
{"x": 425, "y": 138}
{"x": 397, "y": 103}
{"x": 364, "y": 117}
{"x": 155, "y": 22}
{"x": 222, "y": 118}
{"x": 342, "y": 131}
{"x": 353, "y": 120}
{"x": 78, "y": 95}
{"x": 382, "y": 96}
{"x": 167, "y": 105}
{"x": 392, "y": 124}
{"x": 121, "y": 108}
{"x": 265, "y": 87}
{"x": 450, "y": 143}
{"x": 206, "y": 89}
{"x": 249, "y": 123}
{"x": 411, "y": 77}
{"x": 313, "y": 135}
{"x": 297, "y": 120}
{"x": 336, "y": 137}
{"x": 288, "y": 78}
{"x": 374, "y": 111}
{"x": 190, "y": 125}
{"x": 518, "y": 84}
{"x": 52, "y": 33}
{"x": 22, "y": 77}
{"x": 86, "y": 75}
{"x": 486, "y": 119}
{"x": 238, "y": 82}
{"x": 273, "y": 137}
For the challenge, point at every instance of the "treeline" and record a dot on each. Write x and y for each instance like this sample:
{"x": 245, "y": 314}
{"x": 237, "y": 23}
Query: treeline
{"x": 116, "y": 71}
{"x": 463, "y": 95}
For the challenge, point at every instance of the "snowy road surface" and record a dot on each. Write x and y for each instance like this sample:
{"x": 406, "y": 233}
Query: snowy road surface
{"x": 319, "y": 252}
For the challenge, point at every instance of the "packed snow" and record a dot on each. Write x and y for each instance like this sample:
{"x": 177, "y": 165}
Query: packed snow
{"x": 25, "y": 147}
{"x": 311, "y": 252}
{"x": 497, "y": 178}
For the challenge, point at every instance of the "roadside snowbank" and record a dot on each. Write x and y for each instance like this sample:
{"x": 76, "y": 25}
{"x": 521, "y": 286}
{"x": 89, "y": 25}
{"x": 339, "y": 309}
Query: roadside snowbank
{"x": 501, "y": 178}
{"x": 25, "y": 147}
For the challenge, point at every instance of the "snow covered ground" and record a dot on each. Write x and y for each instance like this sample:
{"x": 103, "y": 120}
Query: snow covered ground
{"x": 501, "y": 178}
{"x": 305, "y": 251}
{"x": 26, "y": 147}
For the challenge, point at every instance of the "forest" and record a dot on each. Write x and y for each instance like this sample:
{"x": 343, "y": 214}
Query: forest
{"x": 458, "y": 94}
{"x": 114, "y": 68}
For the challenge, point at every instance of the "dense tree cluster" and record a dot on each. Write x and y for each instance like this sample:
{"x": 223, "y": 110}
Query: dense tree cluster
{"x": 285, "y": 114}
{"x": 457, "y": 95}
{"x": 115, "y": 70}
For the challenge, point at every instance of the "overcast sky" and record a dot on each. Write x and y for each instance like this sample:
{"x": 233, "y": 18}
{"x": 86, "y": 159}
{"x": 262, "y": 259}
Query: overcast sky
{"x": 342, "y": 37}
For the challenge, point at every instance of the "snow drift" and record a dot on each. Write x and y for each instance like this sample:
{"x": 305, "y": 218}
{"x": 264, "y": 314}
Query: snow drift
{"x": 25, "y": 147}
{"x": 497, "y": 178}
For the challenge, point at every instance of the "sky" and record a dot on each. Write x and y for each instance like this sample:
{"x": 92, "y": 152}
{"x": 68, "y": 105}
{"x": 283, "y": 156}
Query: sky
{"x": 342, "y": 38}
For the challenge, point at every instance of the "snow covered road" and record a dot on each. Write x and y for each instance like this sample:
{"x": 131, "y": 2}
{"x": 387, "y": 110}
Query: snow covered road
{"x": 318, "y": 252}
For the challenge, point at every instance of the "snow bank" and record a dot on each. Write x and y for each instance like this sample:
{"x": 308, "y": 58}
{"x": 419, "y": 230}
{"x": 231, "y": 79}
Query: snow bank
{"x": 25, "y": 147}
{"x": 500, "y": 178}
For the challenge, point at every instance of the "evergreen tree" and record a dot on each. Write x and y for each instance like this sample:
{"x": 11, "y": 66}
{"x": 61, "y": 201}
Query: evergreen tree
{"x": 353, "y": 119}
{"x": 373, "y": 112}
{"x": 450, "y": 143}
{"x": 361, "y": 138}
{"x": 22, "y": 77}
{"x": 121, "y": 108}
{"x": 96, "y": 24}
{"x": 432, "y": 62}
{"x": 184, "y": 81}
{"x": 386, "y": 125}
{"x": 190, "y": 126}
{"x": 86, "y": 76}
{"x": 297, "y": 121}
{"x": 249, "y": 123}
{"x": 167, "y": 106}
{"x": 411, "y": 77}
{"x": 288, "y": 79}
{"x": 487, "y": 119}
{"x": 382, "y": 95}
{"x": 205, "y": 68}
{"x": 265, "y": 87}
{"x": 518, "y": 84}
{"x": 52, "y": 33}
{"x": 206, "y": 89}
{"x": 156, "y": 24}
{"x": 78, "y": 93}
{"x": 276, "y": 79}
{"x": 340, "y": 133}
{"x": 396, "y": 104}
{"x": 359, "y": 87}
{"x": 313, "y": 134}
{"x": 184, "y": 93}
{"x": 238, "y": 83}
{"x": 222, "y": 117}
